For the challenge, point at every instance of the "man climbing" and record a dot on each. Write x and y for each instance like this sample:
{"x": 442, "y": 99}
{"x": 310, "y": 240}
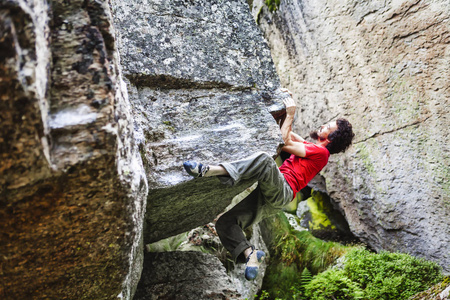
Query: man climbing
{"x": 276, "y": 186}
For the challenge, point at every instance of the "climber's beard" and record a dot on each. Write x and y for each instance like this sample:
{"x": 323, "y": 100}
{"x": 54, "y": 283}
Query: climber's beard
{"x": 314, "y": 135}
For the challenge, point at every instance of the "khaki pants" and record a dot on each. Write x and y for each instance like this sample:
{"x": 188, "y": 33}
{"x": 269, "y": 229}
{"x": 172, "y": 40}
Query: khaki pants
{"x": 272, "y": 194}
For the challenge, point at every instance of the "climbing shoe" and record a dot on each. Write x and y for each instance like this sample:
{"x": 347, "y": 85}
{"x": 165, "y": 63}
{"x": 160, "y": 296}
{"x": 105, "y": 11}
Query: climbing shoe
{"x": 195, "y": 169}
{"x": 254, "y": 260}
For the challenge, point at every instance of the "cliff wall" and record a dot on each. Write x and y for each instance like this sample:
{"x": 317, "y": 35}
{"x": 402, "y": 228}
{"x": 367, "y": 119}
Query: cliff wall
{"x": 383, "y": 65}
{"x": 101, "y": 102}
{"x": 202, "y": 86}
{"x": 72, "y": 185}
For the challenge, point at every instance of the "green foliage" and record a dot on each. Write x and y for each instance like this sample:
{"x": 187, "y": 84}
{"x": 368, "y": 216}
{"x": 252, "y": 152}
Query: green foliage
{"x": 382, "y": 276}
{"x": 390, "y": 275}
{"x": 264, "y": 295}
{"x": 333, "y": 284}
{"x": 305, "y": 278}
{"x": 295, "y": 255}
{"x": 287, "y": 248}
{"x": 319, "y": 212}
{"x": 169, "y": 244}
{"x": 280, "y": 279}
{"x": 302, "y": 248}
{"x": 272, "y": 4}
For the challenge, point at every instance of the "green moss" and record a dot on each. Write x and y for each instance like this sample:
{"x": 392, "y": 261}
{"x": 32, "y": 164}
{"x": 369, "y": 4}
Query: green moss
{"x": 292, "y": 206}
{"x": 403, "y": 97}
{"x": 169, "y": 244}
{"x": 272, "y": 5}
{"x": 291, "y": 253}
{"x": 319, "y": 218}
{"x": 367, "y": 275}
{"x": 363, "y": 274}
{"x": 333, "y": 284}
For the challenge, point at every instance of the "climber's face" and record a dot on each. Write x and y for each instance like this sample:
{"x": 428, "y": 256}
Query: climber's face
{"x": 324, "y": 131}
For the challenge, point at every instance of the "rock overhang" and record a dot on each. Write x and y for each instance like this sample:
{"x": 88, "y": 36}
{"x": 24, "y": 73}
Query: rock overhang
{"x": 202, "y": 85}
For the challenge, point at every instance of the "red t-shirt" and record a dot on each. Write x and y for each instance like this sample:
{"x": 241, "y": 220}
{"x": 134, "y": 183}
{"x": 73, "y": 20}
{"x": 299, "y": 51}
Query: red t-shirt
{"x": 298, "y": 171}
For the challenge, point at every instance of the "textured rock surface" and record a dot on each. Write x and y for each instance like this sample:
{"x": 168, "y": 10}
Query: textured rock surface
{"x": 201, "y": 81}
{"x": 440, "y": 291}
{"x": 73, "y": 188}
{"x": 193, "y": 275}
{"x": 318, "y": 215}
{"x": 202, "y": 239}
{"x": 72, "y": 185}
{"x": 385, "y": 66}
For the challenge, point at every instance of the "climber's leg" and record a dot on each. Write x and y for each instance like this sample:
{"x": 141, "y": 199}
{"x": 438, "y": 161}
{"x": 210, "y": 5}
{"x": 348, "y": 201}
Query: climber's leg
{"x": 230, "y": 229}
{"x": 261, "y": 167}
{"x": 231, "y": 224}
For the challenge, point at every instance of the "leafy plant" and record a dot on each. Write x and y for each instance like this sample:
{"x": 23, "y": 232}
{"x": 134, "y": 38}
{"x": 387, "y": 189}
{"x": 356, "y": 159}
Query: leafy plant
{"x": 305, "y": 278}
{"x": 333, "y": 284}
{"x": 302, "y": 248}
{"x": 390, "y": 275}
{"x": 295, "y": 257}
{"x": 382, "y": 276}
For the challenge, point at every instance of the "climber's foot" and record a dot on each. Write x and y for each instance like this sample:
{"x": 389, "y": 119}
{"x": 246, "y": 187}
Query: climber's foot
{"x": 195, "y": 169}
{"x": 254, "y": 260}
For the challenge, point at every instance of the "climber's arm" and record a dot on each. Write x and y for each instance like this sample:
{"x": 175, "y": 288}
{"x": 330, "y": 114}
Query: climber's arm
{"x": 293, "y": 143}
{"x": 296, "y": 138}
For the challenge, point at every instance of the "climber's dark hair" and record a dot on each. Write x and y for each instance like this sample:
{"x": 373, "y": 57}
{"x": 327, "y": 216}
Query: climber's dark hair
{"x": 341, "y": 138}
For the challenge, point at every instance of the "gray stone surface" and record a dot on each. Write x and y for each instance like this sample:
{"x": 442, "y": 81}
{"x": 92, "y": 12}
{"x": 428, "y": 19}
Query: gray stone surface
{"x": 192, "y": 44}
{"x": 73, "y": 149}
{"x": 205, "y": 239}
{"x": 201, "y": 82}
{"x": 72, "y": 184}
{"x": 189, "y": 275}
{"x": 76, "y": 136}
{"x": 384, "y": 65}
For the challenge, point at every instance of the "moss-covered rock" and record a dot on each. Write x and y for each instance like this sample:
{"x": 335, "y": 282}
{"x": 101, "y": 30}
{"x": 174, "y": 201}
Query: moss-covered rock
{"x": 291, "y": 252}
{"x": 440, "y": 291}
{"x": 319, "y": 216}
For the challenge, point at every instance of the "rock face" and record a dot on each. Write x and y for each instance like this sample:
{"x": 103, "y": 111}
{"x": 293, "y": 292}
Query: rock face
{"x": 317, "y": 215}
{"x": 197, "y": 272}
{"x": 192, "y": 275}
{"x": 202, "y": 86}
{"x": 72, "y": 184}
{"x": 383, "y": 65}
{"x": 77, "y": 157}
{"x": 201, "y": 82}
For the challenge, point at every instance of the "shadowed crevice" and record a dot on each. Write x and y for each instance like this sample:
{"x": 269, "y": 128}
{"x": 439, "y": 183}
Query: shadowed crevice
{"x": 170, "y": 82}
